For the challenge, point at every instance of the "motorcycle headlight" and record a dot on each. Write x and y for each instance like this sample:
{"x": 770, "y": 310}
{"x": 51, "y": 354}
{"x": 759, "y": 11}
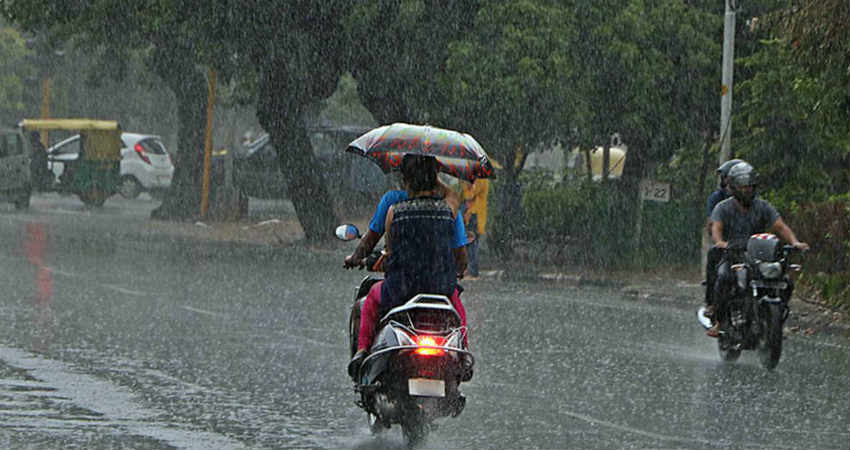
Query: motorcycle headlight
{"x": 770, "y": 270}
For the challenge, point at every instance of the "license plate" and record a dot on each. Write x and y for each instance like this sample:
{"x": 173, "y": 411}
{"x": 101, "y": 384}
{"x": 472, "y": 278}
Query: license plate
{"x": 424, "y": 387}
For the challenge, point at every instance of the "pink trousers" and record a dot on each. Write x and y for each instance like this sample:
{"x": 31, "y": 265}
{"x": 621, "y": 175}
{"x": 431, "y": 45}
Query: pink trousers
{"x": 369, "y": 316}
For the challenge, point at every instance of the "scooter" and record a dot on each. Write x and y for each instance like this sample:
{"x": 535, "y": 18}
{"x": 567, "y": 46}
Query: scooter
{"x": 412, "y": 374}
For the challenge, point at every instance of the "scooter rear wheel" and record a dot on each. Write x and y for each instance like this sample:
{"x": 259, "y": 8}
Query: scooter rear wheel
{"x": 375, "y": 425}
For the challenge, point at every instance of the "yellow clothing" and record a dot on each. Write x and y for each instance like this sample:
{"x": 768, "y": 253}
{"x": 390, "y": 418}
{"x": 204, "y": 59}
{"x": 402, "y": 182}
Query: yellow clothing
{"x": 476, "y": 195}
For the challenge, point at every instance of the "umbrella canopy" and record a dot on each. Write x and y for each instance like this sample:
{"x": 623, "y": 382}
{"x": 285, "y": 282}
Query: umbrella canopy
{"x": 459, "y": 154}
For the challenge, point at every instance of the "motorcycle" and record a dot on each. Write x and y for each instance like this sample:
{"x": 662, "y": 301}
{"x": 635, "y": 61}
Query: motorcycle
{"x": 757, "y": 304}
{"x": 416, "y": 363}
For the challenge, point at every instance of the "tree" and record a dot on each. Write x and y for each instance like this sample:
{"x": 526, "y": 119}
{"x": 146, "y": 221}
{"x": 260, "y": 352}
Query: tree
{"x": 510, "y": 83}
{"x": 797, "y": 101}
{"x": 296, "y": 53}
{"x": 652, "y": 76}
{"x": 15, "y": 72}
{"x": 397, "y": 49}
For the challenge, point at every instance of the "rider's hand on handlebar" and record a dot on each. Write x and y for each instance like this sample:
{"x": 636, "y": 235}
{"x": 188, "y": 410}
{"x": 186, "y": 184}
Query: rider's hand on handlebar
{"x": 351, "y": 262}
{"x": 801, "y": 246}
{"x": 721, "y": 244}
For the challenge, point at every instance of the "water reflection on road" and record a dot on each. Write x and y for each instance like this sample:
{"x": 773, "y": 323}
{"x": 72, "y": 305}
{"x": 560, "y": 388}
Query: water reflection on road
{"x": 120, "y": 342}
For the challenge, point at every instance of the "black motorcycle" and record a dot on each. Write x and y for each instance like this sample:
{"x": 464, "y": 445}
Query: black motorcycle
{"x": 756, "y": 305}
{"x": 416, "y": 363}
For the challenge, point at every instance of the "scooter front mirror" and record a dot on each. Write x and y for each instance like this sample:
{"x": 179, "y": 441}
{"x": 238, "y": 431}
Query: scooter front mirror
{"x": 347, "y": 232}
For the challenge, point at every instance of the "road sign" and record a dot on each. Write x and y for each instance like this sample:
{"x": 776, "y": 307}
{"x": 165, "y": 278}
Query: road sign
{"x": 654, "y": 191}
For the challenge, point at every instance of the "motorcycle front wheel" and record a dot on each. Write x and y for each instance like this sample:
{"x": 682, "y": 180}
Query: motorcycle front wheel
{"x": 727, "y": 353}
{"x": 770, "y": 343}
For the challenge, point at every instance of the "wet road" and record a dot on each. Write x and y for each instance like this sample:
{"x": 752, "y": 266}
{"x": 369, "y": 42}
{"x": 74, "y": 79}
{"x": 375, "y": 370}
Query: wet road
{"x": 115, "y": 340}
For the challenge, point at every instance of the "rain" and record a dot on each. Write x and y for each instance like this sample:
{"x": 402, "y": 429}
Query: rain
{"x": 172, "y": 175}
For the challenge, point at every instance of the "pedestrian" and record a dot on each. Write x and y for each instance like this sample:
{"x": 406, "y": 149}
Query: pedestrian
{"x": 475, "y": 219}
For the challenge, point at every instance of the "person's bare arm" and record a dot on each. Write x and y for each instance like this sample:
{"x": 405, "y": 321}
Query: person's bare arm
{"x": 387, "y": 225}
{"x": 784, "y": 231}
{"x": 460, "y": 260}
{"x": 717, "y": 234}
{"x": 450, "y": 195}
{"x": 366, "y": 245}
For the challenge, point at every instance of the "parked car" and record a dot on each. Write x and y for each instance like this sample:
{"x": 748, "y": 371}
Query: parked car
{"x": 256, "y": 170}
{"x": 15, "y": 185}
{"x": 145, "y": 163}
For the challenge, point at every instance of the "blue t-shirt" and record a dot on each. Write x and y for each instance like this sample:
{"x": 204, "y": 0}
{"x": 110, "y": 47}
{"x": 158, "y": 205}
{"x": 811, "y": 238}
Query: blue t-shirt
{"x": 379, "y": 220}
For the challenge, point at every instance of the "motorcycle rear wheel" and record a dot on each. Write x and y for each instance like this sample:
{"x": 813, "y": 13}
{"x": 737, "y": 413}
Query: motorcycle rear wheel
{"x": 770, "y": 343}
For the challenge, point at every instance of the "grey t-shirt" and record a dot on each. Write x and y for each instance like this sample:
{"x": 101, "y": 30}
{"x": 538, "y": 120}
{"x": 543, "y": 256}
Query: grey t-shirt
{"x": 741, "y": 225}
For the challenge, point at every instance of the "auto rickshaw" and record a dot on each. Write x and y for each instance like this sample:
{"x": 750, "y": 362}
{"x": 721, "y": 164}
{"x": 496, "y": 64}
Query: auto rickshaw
{"x": 95, "y": 174}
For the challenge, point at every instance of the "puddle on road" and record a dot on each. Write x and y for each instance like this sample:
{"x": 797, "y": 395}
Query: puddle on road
{"x": 51, "y": 397}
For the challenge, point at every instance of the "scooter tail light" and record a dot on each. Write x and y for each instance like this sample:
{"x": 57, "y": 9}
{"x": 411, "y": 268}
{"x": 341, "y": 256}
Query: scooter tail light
{"x": 427, "y": 345}
{"x": 141, "y": 152}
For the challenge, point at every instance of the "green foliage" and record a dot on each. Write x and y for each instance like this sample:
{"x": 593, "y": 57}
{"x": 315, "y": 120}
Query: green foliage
{"x": 583, "y": 224}
{"x": 825, "y": 226}
{"x": 344, "y": 107}
{"x": 510, "y": 82}
{"x": 652, "y": 78}
{"x": 16, "y": 74}
{"x": 793, "y": 132}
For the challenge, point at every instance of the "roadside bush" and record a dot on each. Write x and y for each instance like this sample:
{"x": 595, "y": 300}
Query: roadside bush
{"x": 581, "y": 223}
{"x": 825, "y": 226}
{"x": 590, "y": 225}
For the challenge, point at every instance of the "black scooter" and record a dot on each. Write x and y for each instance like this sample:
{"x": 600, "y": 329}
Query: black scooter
{"x": 416, "y": 363}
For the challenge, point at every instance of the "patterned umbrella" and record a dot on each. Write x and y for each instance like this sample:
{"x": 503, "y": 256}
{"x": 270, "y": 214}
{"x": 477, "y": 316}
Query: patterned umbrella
{"x": 459, "y": 154}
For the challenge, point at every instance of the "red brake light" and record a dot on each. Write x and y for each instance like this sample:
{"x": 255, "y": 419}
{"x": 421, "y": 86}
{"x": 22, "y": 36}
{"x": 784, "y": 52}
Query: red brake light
{"x": 141, "y": 152}
{"x": 427, "y": 343}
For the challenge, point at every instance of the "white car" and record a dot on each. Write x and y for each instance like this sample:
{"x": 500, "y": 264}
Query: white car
{"x": 145, "y": 163}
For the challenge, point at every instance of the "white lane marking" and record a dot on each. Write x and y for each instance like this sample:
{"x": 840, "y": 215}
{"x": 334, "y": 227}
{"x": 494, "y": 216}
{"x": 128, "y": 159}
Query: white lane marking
{"x": 56, "y": 271}
{"x": 124, "y": 290}
{"x": 120, "y": 411}
{"x": 203, "y": 311}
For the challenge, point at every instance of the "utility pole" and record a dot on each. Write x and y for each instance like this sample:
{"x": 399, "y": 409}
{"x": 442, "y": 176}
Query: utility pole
{"x": 205, "y": 186}
{"x": 726, "y": 88}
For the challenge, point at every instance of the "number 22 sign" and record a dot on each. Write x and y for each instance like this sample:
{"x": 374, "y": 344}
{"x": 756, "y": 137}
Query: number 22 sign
{"x": 654, "y": 191}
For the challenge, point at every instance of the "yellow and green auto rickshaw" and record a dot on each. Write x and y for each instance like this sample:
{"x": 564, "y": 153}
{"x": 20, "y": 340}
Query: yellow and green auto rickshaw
{"x": 94, "y": 173}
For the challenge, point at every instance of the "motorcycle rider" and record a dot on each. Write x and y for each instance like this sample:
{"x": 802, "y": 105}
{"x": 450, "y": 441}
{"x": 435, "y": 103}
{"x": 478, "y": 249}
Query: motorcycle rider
{"x": 714, "y": 254}
{"x": 739, "y": 217}
{"x": 425, "y": 247}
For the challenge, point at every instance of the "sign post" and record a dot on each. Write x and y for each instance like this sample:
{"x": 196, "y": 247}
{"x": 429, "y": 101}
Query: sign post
{"x": 649, "y": 191}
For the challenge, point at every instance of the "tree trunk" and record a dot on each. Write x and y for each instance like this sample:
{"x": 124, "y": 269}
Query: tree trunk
{"x": 279, "y": 111}
{"x": 183, "y": 199}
